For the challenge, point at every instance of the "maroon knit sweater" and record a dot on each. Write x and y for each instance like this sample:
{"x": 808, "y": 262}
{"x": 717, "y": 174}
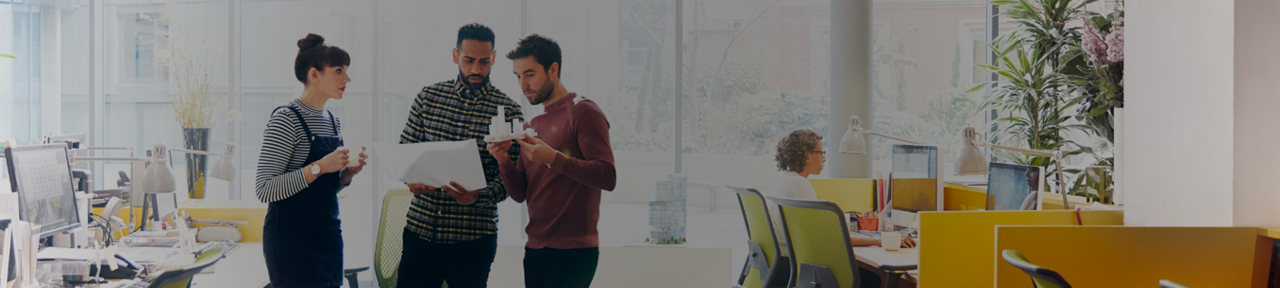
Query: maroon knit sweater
{"x": 564, "y": 197}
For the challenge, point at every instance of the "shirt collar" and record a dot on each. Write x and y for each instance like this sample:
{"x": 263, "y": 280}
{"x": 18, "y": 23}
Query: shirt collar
{"x": 462, "y": 86}
{"x": 567, "y": 101}
{"x": 304, "y": 108}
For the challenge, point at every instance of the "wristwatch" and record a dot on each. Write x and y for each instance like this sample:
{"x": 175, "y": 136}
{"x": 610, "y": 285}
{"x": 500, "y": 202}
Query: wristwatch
{"x": 315, "y": 169}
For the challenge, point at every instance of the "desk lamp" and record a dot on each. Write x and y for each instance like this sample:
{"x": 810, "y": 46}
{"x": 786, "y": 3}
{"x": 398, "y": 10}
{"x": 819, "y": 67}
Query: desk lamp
{"x": 223, "y": 169}
{"x": 973, "y": 162}
{"x": 854, "y": 143}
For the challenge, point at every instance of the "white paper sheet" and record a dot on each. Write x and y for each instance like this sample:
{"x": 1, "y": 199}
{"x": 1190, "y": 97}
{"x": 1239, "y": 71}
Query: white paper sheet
{"x": 432, "y": 163}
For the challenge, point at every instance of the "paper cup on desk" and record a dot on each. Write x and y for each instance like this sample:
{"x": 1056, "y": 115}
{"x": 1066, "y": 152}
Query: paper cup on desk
{"x": 891, "y": 241}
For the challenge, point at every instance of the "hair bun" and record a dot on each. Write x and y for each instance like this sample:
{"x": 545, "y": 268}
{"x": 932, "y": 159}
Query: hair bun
{"x": 310, "y": 41}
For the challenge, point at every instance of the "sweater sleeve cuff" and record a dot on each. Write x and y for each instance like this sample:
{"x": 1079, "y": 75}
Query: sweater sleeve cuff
{"x": 559, "y": 163}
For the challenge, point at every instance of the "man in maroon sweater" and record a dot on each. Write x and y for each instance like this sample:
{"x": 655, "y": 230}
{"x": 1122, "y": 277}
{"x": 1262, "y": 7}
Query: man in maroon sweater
{"x": 560, "y": 175}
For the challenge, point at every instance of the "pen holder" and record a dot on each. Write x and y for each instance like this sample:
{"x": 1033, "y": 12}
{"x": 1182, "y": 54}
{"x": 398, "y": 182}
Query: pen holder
{"x": 869, "y": 223}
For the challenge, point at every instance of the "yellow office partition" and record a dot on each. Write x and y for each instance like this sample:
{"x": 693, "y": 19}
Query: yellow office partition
{"x": 957, "y": 248}
{"x": 1138, "y": 256}
{"x": 254, "y": 213}
{"x": 965, "y": 198}
{"x": 849, "y": 194}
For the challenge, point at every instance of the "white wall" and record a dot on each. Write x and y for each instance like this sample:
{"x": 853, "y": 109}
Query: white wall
{"x": 1200, "y": 123}
{"x": 1256, "y": 72}
{"x": 1179, "y": 112}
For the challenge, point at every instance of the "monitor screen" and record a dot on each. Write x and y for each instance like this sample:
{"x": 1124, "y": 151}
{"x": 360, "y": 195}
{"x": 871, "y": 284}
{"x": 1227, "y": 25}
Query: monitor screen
{"x": 915, "y": 181}
{"x": 166, "y": 205}
{"x": 41, "y": 175}
{"x": 74, "y": 139}
{"x": 1011, "y": 186}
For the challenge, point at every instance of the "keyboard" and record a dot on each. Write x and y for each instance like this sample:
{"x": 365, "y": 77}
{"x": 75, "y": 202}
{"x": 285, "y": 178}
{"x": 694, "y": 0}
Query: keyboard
{"x": 868, "y": 234}
{"x": 227, "y": 246}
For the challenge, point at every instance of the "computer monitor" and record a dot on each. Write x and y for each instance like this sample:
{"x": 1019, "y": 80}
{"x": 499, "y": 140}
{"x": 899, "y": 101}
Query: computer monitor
{"x": 41, "y": 175}
{"x": 165, "y": 205}
{"x": 916, "y": 181}
{"x": 73, "y": 139}
{"x": 1012, "y": 186}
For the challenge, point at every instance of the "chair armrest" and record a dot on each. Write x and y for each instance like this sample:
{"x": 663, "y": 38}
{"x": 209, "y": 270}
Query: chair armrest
{"x": 355, "y": 270}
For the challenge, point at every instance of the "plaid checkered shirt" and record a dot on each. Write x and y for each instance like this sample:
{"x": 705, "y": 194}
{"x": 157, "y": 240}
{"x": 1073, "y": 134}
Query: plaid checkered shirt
{"x": 449, "y": 111}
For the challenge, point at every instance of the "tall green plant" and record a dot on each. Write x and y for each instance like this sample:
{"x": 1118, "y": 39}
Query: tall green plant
{"x": 1045, "y": 25}
{"x": 1033, "y": 94}
{"x": 1034, "y": 98}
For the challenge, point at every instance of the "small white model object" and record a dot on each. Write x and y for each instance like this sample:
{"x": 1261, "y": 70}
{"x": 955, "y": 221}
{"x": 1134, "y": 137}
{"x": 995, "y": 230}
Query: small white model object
{"x": 499, "y": 131}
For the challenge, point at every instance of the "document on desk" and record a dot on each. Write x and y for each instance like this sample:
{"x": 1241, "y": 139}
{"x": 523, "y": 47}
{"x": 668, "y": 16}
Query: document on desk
{"x": 432, "y": 163}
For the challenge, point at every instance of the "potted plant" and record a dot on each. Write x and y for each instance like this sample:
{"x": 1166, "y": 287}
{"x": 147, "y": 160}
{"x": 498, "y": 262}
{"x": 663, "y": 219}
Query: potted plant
{"x": 1034, "y": 93}
{"x": 1096, "y": 73}
{"x": 195, "y": 92}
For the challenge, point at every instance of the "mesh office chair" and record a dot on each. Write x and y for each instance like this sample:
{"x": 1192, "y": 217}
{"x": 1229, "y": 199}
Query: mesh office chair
{"x": 180, "y": 277}
{"x": 1171, "y": 284}
{"x": 820, "y": 250}
{"x": 765, "y": 266}
{"x": 1040, "y": 277}
{"x": 386, "y": 261}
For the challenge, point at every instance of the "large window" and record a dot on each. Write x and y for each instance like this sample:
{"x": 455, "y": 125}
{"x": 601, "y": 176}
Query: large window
{"x": 47, "y": 77}
{"x": 752, "y": 70}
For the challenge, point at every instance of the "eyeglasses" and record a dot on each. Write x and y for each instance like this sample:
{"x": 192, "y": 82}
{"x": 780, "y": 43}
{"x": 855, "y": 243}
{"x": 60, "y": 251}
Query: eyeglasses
{"x": 824, "y": 153}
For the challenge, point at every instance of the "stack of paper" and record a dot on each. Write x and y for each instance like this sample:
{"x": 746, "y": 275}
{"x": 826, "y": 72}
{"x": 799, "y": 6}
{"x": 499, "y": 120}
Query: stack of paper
{"x": 432, "y": 163}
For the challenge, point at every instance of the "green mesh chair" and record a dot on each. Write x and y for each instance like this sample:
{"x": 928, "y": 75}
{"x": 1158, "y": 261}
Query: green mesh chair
{"x": 765, "y": 266}
{"x": 1040, "y": 277}
{"x": 390, "y": 230}
{"x": 1171, "y": 284}
{"x": 180, "y": 277}
{"x": 821, "y": 255}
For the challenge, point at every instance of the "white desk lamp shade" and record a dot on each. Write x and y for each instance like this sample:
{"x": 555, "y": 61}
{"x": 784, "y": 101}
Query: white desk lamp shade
{"x": 225, "y": 169}
{"x": 158, "y": 178}
{"x": 971, "y": 161}
{"x": 853, "y": 142}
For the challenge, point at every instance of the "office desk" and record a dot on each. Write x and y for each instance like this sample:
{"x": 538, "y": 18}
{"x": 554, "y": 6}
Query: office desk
{"x": 870, "y": 258}
{"x": 244, "y": 268}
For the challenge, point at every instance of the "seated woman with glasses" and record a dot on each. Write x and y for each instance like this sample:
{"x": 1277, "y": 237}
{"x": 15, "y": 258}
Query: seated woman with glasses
{"x": 799, "y": 155}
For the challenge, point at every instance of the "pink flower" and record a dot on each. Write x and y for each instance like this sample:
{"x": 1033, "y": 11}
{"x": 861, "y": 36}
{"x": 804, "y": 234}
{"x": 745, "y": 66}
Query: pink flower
{"x": 1094, "y": 46}
{"x": 1115, "y": 44}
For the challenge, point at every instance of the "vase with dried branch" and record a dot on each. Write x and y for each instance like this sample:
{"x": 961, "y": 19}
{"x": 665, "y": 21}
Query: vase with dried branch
{"x": 196, "y": 91}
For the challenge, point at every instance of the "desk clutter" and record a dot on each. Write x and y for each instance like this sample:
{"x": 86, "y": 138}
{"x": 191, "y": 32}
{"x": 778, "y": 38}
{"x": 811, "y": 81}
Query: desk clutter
{"x": 65, "y": 267}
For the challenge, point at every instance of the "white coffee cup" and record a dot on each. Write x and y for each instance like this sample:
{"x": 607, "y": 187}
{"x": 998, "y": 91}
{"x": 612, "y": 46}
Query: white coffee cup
{"x": 891, "y": 241}
{"x": 353, "y": 156}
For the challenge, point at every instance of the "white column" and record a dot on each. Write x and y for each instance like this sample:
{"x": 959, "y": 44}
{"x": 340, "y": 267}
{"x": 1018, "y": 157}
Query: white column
{"x": 6, "y": 70}
{"x": 851, "y": 41}
{"x": 1178, "y": 123}
{"x": 1256, "y": 137}
{"x": 50, "y": 71}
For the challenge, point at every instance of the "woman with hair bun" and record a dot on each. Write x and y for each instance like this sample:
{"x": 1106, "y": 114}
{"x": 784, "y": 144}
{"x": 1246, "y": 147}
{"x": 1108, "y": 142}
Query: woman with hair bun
{"x": 301, "y": 168}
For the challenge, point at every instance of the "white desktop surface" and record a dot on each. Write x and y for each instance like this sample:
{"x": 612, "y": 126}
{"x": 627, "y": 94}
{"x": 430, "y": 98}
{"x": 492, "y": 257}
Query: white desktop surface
{"x": 245, "y": 267}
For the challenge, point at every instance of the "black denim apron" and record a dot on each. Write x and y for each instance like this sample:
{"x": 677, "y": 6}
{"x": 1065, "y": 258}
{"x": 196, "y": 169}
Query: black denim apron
{"x": 302, "y": 237}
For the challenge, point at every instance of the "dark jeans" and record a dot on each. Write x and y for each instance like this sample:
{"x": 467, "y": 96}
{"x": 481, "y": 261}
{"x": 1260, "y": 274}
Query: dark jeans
{"x": 560, "y": 268}
{"x": 462, "y": 265}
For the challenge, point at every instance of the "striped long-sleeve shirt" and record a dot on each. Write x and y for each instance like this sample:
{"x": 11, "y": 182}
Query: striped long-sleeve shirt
{"x": 448, "y": 111}
{"x": 284, "y": 150}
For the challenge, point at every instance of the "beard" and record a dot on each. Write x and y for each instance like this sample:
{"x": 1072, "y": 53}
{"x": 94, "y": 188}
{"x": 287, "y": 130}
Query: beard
{"x": 466, "y": 79}
{"x": 542, "y": 93}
